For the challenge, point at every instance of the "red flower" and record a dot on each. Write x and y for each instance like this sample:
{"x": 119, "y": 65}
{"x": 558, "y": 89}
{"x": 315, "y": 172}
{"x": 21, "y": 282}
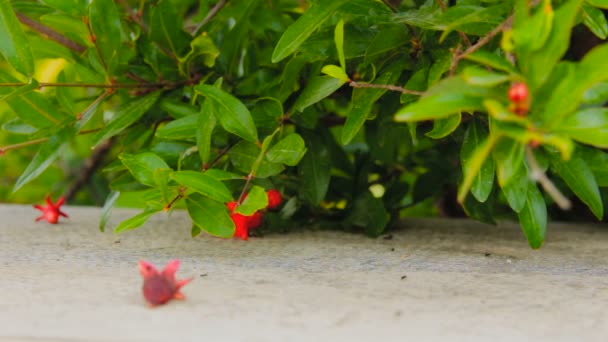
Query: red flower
{"x": 518, "y": 92}
{"x": 241, "y": 223}
{"x": 274, "y": 199}
{"x": 161, "y": 287}
{"x": 51, "y": 212}
{"x": 255, "y": 220}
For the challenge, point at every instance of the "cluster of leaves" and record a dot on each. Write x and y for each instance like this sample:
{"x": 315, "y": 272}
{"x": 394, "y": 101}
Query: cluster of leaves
{"x": 197, "y": 102}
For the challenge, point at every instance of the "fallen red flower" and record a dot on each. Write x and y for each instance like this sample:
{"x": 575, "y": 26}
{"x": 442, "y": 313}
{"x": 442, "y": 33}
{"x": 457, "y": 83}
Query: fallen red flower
{"x": 51, "y": 212}
{"x": 161, "y": 287}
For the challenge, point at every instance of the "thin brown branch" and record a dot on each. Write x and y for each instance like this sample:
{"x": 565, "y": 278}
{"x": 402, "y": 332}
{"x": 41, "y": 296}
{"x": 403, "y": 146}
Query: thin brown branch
{"x": 212, "y": 13}
{"x": 49, "y": 33}
{"x": 455, "y": 59}
{"x": 218, "y": 157}
{"x": 537, "y": 174}
{"x": 88, "y": 169}
{"x": 385, "y": 86}
{"x": 4, "y": 149}
{"x": 94, "y": 41}
{"x": 486, "y": 39}
{"x": 462, "y": 35}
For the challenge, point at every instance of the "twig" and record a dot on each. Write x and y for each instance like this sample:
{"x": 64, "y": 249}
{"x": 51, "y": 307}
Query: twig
{"x": 218, "y": 157}
{"x": 134, "y": 15}
{"x": 537, "y": 174}
{"x": 355, "y": 84}
{"x": 94, "y": 41}
{"x": 89, "y": 167}
{"x": 7, "y": 148}
{"x": 49, "y": 33}
{"x": 455, "y": 59}
{"x": 486, "y": 39}
{"x": 214, "y": 11}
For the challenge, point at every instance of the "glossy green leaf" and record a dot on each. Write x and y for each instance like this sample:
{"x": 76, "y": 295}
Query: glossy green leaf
{"x": 204, "y": 184}
{"x": 210, "y": 216}
{"x": 387, "y": 39}
{"x": 107, "y": 208}
{"x": 267, "y": 112}
{"x": 184, "y": 128}
{"x": 223, "y": 175}
{"x": 177, "y": 109}
{"x": 492, "y": 60}
{"x": 500, "y": 113}
{"x": 288, "y": 151}
{"x": 135, "y": 221}
{"x": 73, "y": 7}
{"x": 597, "y": 161}
{"x": 477, "y": 165}
{"x": 204, "y": 130}
{"x": 508, "y": 155}
{"x": 595, "y": 21}
{"x": 13, "y": 42}
{"x": 318, "y": 88}
{"x": 47, "y": 154}
{"x": 598, "y": 3}
{"x": 256, "y": 200}
{"x": 166, "y": 27}
{"x": 533, "y": 217}
{"x": 339, "y": 40}
{"x": 596, "y": 94}
{"x": 335, "y": 72}
{"x": 232, "y": 113}
{"x": 589, "y": 126}
{"x": 244, "y": 154}
{"x": 161, "y": 178}
{"x": 443, "y": 127}
{"x": 516, "y": 189}
{"x": 418, "y": 81}
{"x": 471, "y": 19}
{"x": 34, "y": 109}
{"x": 87, "y": 114}
{"x": 482, "y": 77}
{"x": 314, "y": 170}
{"x": 448, "y": 97}
{"x": 105, "y": 24}
{"x": 300, "y": 30}
{"x": 142, "y": 166}
{"x": 17, "y": 126}
{"x": 364, "y": 98}
{"x": 581, "y": 181}
{"x": 534, "y": 32}
{"x": 126, "y": 115}
{"x": 201, "y": 48}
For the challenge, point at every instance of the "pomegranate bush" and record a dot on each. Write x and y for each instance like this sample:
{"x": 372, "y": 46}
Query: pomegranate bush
{"x": 342, "y": 113}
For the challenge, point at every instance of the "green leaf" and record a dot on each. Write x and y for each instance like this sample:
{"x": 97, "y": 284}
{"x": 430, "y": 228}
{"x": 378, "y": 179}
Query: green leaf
{"x": 443, "y": 127}
{"x": 481, "y": 77}
{"x": 387, "y": 39}
{"x": 47, "y": 154}
{"x": 107, "y": 208}
{"x": 533, "y": 33}
{"x": 184, "y": 128}
{"x": 13, "y": 42}
{"x": 598, "y": 3}
{"x": 539, "y": 64}
{"x": 596, "y": 94}
{"x": 339, "y": 40}
{"x": 364, "y": 98}
{"x": 201, "y": 46}
{"x": 477, "y": 166}
{"x": 126, "y": 115}
{"x": 31, "y": 85}
{"x": 166, "y": 27}
{"x": 288, "y": 151}
{"x": 595, "y": 21}
{"x": 105, "y": 24}
{"x": 87, "y": 114}
{"x": 244, "y": 154}
{"x": 204, "y": 184}
{"x": 479, "y": 211}
{"x": 516, "y": 189}
{"x": 533, "y": 217}
{"x": 135, "y": 221}
{"x": 492, "y": 60}
{"x": 597, "y": 161}
{"x": 267, "y": 112}
{"x": 318, "y": 88}
{"x": 314, "y": 170}
{"x": 508, "y": 155}
{"x": 142, "y": 166}
{"x": 256, "y": 200}
{"x": 161, "y": 180}
{"x": 581, "y": 181}
{"x": 232, "y": 113}
{"x": 589, "y": 126}
{"x": 500, "y": 113}
{"x": 368, "y": 213}
{"x": 448, "y": 97}
{"x": 177, "y": 109}
{"x": 210, "y": 216}
{"x": 73, "y": 7}
{"x": 17, "y": 126}
{"x": 300, "y": 30}
{"x": 204, "y": 131}
{"x": 223, "y": 175}
{"x": 335, "y": 72}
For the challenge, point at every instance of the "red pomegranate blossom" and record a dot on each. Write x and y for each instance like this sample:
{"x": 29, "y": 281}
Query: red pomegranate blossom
{"x": 274, "y": 199}
{"x": 50, "y": 211}
{"x": 161, "y": 287}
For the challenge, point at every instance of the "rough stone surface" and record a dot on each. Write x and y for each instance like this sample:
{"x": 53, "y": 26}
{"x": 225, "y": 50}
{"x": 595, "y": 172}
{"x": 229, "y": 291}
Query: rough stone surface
{"x": 450, "y": 280}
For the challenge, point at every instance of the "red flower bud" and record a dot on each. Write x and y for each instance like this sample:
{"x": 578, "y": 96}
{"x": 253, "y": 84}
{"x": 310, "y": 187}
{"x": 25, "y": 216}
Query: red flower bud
{"x": 51, "y": 212}
{"x": 274, "y": 199}
{"x": 518, "y": 92}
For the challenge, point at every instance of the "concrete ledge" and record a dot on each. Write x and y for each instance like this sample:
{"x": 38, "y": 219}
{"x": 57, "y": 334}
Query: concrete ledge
{"x": 435, "y": 279}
